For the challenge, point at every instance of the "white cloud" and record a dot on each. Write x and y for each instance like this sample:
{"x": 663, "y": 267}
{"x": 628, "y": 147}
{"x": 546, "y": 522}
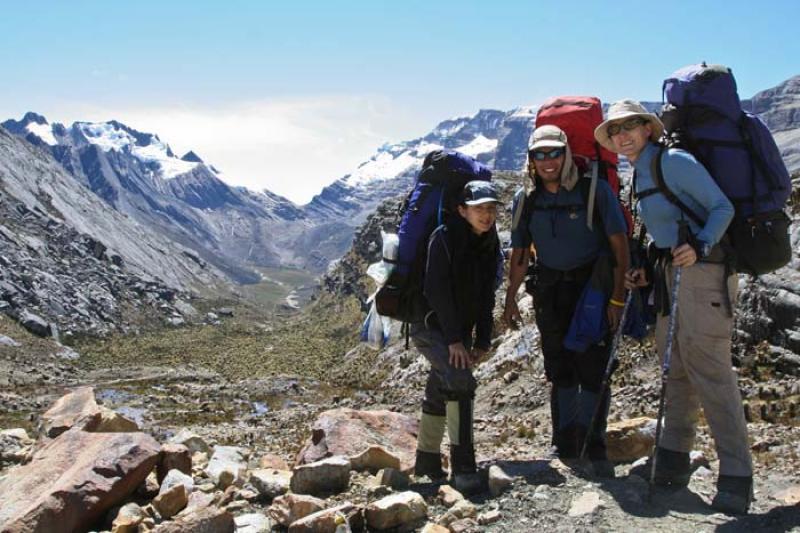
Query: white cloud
{"x": 293, "y": 147}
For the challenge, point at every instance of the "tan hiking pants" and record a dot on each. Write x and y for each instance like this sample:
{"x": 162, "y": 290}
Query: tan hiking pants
{"x": 701, "y": 373}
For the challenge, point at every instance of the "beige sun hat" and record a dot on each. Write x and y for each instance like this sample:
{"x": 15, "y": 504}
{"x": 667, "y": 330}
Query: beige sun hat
{"x": 624, "y": 109}
{"x": 547, "y": 137}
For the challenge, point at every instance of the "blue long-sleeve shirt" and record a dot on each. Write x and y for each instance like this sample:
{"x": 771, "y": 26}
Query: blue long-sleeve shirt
{"x": 693, "y": 185}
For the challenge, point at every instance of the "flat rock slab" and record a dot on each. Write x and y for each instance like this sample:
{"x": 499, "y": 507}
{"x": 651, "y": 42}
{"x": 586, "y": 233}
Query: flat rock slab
{"x": 252, "y": 523}
{"x": 628, "y": 440}
{"x": 292, "y": 507}
{"x": 328, "y": 476}
{"x": 204, "y": 520}
{"x": 404, "y": 508}
{"x": 270, "y": 483}
{"x": 586, "y": 503}
{"x": 325, "y": 521}
{"x": 349, "y": 433}
{"x": 232, "y": 459}
{"x": 75, "y": 479}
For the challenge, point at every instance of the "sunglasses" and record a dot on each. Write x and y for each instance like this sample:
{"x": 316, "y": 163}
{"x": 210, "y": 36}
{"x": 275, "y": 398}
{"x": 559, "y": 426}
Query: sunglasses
{"x": 555, "y": 153}
{"x": 628, "y": 125}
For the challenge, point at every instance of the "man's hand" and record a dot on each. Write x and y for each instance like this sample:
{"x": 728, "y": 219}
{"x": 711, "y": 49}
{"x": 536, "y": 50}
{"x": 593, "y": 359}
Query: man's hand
{"x": 635, "y": 278}
{"x": 511, "y": 314}
{"x": 478, "y": 355}
{"x": 683, "y": 256}
{"x": 459, "y": 356}
{"x": 614, "y": 314}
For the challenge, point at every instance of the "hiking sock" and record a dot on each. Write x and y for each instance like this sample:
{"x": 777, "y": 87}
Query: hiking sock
{"x": 459, "y": 421}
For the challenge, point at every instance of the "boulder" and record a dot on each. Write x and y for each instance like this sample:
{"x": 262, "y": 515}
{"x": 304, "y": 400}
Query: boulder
{"x": 202, "y": 520}
{"x": 194, "y": 442}
{"x": 631, "y": 439}
{"x": 15, "y": 445}
{"x": 252, "y": 523}
{"x": 325, "y": 521}
{"x": 498, "y": 480}
{"x": 328, "y": 476}
{"x": 108, "y": 421}
{"x": 271, "y": 483}
{"x": 35, "y": 324}
{"x": 402, "y": 509}
{"x": 272, "y": 461}
{"x": 171, "y": 501}
{"x": 67, "y": 410}
{"x": 128, "y": 519}
{"x": 73, "y": 480}
{"x": 174, "y": 457}
{"x": 292, "y": 507}
{"x": 227, "y": 466}
{"x": 176, "y": 477}
{"x": 348, "y": 432}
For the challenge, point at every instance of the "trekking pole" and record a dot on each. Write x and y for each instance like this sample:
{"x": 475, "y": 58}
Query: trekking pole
{"x": 683, "y": 237}
{"x": 607, "y": 375}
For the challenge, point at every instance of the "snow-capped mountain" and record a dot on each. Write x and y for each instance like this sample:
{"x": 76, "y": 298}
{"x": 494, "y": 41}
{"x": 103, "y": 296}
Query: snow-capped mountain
{"x": 181, "y": 198}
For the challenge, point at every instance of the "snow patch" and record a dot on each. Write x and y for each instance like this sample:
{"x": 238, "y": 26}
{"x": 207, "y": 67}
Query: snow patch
{"x": 108, "y": 137}
{"x": 43, "y": 131}
{"x": 382, "y": 167}
{"x": 479, "y": 145}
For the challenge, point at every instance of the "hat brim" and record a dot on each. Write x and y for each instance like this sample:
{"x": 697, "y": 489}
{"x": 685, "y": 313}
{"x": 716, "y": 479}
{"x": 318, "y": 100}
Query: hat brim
{"x": 601, "y": 133}
{"x": 547, "y": 143}
{"x": 482, "y": 201}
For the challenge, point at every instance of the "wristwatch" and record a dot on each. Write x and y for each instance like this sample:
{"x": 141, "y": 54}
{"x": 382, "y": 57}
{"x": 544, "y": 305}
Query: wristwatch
{"x": 702, "y": 249}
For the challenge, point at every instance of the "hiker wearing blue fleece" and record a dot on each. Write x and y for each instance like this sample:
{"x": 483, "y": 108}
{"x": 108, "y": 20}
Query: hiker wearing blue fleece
{"x": 701, "y": 371}
{"x": 459, "y": 285}
{"x": 555, "y": 220}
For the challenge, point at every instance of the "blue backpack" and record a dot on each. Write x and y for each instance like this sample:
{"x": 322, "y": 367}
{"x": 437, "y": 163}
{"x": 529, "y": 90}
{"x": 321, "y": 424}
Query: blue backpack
{"x": 703, "y": 115}
{"x": 435, "y": 194}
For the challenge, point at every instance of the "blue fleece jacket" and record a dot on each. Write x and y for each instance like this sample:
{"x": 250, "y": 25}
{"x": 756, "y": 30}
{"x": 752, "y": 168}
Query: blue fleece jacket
{"x": 693, "y": 185}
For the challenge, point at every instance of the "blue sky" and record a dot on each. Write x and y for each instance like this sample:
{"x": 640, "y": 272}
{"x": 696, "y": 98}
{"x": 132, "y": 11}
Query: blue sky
{"x": 292, "y": 96}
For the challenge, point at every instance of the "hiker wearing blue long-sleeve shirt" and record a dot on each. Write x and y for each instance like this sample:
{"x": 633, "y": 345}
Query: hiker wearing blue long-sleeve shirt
{"x": 700, "y": 373}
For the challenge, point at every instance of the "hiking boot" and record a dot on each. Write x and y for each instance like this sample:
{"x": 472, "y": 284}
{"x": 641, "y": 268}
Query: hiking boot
{"x": 468, "y": 484}
{"x": 673, "y": 469}
{"x": 465, "y": 476}
{"x": 734, "y": 494}
{"x": 429, "y": 464}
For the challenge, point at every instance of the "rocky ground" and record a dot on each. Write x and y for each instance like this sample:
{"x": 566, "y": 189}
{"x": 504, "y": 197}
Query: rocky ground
{"x": 256, "y": 396}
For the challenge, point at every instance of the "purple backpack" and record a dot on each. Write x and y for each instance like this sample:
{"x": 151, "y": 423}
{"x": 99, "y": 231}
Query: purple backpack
{"x": 703, "y": 115}
{"x": 435, "y": 193}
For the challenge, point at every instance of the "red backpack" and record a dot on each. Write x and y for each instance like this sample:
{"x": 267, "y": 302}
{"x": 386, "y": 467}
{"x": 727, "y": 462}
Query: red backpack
{"x": 578, "y": 116}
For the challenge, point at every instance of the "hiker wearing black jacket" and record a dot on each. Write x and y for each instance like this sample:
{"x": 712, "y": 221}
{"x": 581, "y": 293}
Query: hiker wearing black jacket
{"x": 700, "y": 372}
{"x": 459, "y": 286}
{"x": 568, "y": 248}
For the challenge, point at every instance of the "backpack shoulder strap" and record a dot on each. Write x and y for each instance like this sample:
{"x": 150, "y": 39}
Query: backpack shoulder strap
{"x": 657, "y": 172}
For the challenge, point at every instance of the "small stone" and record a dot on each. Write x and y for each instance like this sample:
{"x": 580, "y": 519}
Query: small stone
{"x": 462, "y": 509}
{"x": 449, "y": 495}
{"x": 270, "y": 483}
{"x": 292, "y": 507}
{"x": 393, "y": 478}
{"x": 227, "y": 466}
{"x": 171, "y": 501}
{"x": 328, "y": 520}
{"x": 400, "y": 509}
{"x": 586, "y": 503}
{"x": 175, "y": 477}
{"x": 511, "y": 376}
{"x": 489, "y": 517}
{"x": 703, "y": 473}
{"x": 329, "y": 476}
{"x": 498, "y": 480}
{"x": 252, "y": 523}
{"x": 465, "y": 525}
{"x": 128, "y": 519}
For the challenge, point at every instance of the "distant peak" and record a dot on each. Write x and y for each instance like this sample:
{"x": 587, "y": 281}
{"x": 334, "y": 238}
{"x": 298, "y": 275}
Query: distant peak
{"x": 191, "y": 157}
{"x": 31, "y": 117}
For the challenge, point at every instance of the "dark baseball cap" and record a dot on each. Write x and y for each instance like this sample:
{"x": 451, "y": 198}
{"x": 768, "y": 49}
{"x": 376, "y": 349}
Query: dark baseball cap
{"x": 479, "y": 192}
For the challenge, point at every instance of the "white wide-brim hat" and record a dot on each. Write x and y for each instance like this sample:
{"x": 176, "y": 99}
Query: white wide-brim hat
{"x": 623, "y": 110}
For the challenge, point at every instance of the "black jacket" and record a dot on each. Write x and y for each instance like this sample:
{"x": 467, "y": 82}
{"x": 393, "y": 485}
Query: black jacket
{"x": 460, "y": 282}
